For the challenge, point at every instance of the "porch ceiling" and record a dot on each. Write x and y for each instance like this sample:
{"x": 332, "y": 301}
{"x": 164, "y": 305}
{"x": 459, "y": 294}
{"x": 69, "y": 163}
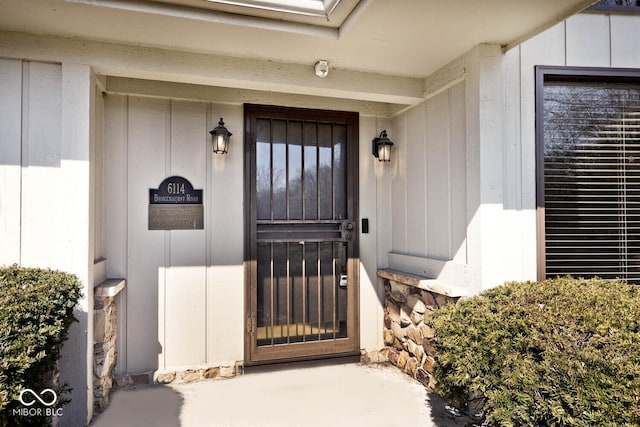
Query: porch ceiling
{"x": 407, "y": 38}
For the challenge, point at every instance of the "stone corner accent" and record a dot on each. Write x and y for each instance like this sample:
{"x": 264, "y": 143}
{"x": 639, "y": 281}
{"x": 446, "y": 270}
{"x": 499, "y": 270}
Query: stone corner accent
{"x": 190, "y": 375}
{"x": 380, "y": 356}
{"x": 109, "y": 288}
{"x": 410, "y": 300}
{"x": 165, "y": 377}
{"x": 104, "y": 340}
{"x": 413, "y": 280}
{"x": 210, "y": 373}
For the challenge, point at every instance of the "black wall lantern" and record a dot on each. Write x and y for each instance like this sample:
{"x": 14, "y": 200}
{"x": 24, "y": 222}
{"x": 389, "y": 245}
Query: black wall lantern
{"x": 381, "y": 147}
{"x": 220, "y": 138}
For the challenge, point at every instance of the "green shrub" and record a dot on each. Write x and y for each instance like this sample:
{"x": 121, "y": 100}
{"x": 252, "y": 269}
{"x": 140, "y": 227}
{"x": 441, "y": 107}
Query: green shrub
{"x": 36, "y": 311}
{"x": 562, "y": 352}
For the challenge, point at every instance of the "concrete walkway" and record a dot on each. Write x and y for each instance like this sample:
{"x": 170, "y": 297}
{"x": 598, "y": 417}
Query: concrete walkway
{"x": 324, "y": 395}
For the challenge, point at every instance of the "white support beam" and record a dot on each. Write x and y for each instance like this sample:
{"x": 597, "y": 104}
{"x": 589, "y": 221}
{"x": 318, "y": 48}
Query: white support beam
{"x": 212, "y": 70}
{"x": 232, "y": 96}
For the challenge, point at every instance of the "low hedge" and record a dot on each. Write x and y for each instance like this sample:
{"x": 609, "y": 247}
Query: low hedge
{"x": 36, "y": 311}
{"x": 563, "y": 352}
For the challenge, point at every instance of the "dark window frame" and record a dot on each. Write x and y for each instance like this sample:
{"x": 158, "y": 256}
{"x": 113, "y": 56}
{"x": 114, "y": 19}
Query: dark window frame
{"x": 607, "y": 8}
{"x": 596, "y": 75}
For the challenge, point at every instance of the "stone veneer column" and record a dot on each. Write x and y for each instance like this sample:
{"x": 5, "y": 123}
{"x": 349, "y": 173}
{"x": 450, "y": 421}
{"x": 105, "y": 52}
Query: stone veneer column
{"x": 104, "y": 336}
{"x": 409, "y": 301}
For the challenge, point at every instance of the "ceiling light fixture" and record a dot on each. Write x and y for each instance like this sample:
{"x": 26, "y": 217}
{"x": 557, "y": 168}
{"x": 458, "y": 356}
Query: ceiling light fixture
{"x": 322, "y": 68}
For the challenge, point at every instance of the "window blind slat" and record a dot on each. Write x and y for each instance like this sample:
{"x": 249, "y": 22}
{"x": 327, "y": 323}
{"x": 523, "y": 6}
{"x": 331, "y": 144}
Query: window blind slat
{"x": 592, "y": 180}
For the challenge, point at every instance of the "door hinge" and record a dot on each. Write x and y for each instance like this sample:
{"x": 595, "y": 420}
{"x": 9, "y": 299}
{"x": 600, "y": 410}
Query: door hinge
{"x": 251, "y": 325}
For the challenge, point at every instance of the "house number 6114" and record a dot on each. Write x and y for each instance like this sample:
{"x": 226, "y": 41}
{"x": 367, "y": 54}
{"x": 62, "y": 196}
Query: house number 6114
{"x": 175, "y": 188}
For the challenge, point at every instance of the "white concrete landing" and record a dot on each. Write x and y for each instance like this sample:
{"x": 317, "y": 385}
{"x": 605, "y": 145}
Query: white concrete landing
{"x": 330, "y": 395}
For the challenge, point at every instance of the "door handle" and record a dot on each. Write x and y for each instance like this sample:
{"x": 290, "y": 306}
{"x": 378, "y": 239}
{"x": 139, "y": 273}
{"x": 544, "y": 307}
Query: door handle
{"x": 347, "y": 230}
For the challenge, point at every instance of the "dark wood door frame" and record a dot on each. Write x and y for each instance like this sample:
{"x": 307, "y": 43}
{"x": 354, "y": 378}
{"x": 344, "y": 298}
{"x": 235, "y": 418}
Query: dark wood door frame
{"x": 311, "y": 350}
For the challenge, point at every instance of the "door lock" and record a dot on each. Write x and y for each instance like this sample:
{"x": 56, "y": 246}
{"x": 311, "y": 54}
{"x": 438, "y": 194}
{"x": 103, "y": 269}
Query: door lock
{"x": 343, "y": 281}
{"x": 347, "y": 230}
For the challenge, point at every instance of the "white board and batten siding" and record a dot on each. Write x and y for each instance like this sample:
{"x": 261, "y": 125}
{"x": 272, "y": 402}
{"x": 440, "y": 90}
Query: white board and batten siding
{"x": 482, "y": 234}
{"x": 585, "y": 40}
{"x": 373, "y": 204}
{"x": 184, "y": 299}
{"x": 46, "y": 216}
{"x": 429, "y": 187}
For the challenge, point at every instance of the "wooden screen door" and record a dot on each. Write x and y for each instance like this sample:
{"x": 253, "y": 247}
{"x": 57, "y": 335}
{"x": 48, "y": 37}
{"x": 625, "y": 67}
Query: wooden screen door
{"x": 301, "y": 175}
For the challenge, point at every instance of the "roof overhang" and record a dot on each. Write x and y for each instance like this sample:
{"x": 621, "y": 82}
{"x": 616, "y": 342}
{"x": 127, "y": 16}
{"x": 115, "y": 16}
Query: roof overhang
{"x": 404, "y": 38}
{"x": 378, "y": 50}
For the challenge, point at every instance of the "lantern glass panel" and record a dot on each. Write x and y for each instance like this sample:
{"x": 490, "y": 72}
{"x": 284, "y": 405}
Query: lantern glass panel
{"x": 220, "y": 143}
{"x": 384, "y": 152}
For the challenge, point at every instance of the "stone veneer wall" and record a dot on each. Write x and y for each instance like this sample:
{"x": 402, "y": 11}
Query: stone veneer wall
{"x": 207, "y": 373}
{"x": 179, "y": 376}
{"x": 105, "y": 329}
{"x": 407, "y": 338}
{"x": 104, "y": 349}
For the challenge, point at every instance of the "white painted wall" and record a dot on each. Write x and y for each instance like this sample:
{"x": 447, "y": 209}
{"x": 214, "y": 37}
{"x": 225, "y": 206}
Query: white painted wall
{"x": 10, "y": 159}
{"x": 374, "y": 204}
{"x": 184, "y": 297}
{"x": 429, "y": 189}
{"x": 430, "y": 178}
{"x": 46, "y": 117}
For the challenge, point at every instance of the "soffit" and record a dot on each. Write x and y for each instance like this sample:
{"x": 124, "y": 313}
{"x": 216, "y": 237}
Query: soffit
{"x": 410, "y": 38}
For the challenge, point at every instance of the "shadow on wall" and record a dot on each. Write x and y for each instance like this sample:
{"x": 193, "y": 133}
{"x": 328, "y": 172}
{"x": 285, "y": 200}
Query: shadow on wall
{"x": 73, "y": 371}
{"x": 154, "y": 405}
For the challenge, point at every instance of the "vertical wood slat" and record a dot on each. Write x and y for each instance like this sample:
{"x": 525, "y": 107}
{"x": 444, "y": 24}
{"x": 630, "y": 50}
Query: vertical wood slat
{"x": 185, "y": 288}
{"x": 318, "y": 177}
{"x": 334, "y": 286}
{"x": 325, "y": 177}
{"x": 271, "y": 289}
{"x": 304, "y": 283}
{"x": 333, "y": 166}
{"x": 319, "y": 292}
{"x": 286, "y": 174}
{"x": 11, "y": 134}
{"x": 303, "y": 143}
{"x": 303, "y": 187}
{"x": 288, "y": 292}
{"x": 146, "y": 125}
{"x": 271, "y": 168}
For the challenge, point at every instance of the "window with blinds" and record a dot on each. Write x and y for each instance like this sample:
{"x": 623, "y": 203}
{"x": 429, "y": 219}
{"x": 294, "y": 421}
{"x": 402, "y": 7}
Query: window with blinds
{"x": 615, "y": 6}
{"x": 591, "y": 177}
